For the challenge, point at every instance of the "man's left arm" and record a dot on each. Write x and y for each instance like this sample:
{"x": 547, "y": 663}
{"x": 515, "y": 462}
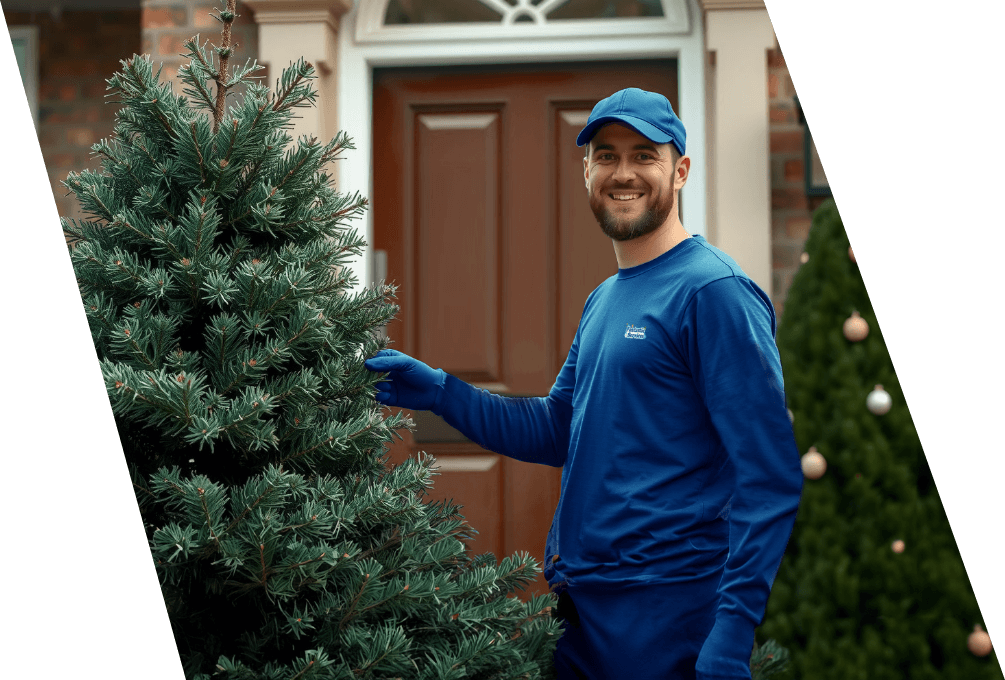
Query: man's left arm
{"x": 728, "y": 330}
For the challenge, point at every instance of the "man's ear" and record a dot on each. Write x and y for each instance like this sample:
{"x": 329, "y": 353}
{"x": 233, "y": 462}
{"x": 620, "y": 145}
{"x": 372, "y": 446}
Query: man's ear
{"x": 586, "y": 169}
{"x": 682, "y": 172}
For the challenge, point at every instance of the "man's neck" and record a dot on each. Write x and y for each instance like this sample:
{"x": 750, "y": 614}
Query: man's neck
{"x": 645, "y": 248}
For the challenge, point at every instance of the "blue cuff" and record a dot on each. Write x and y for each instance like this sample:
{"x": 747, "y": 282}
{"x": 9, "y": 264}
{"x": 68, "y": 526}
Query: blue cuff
{"x": 727, "y": 649}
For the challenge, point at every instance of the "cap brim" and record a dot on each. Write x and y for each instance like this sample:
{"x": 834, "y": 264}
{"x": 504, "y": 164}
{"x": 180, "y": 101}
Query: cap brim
{"x": 647, "y": 130}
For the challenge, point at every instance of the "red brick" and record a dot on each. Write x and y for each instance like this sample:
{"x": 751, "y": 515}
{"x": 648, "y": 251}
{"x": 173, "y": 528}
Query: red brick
{"x": 81, "y": 136}
{"x": 794, "y": 170}
{"x": 775, "y": 59}
{"x": 781, "y": 113}
{"x": 788, "y": 198}
{"x": 60, "y": 160}
{"x": 171, "y": 46}
{"x": 778, "y": 227}
{"x": 814, "y": 202}
{"x": 124, "y": 22}
{"x": 49, "y": 90}
{"x": 50, "y": 138}
{"x": 81, "y": 113}
{"x": 202, "y": 20}
{"x": 786, "y": 141}
{"x": 788, "y": 89}
{"x": 74, "y": 68}
{"x": 84, "y": 21}
{"x": 170, "y": 72}
{"x": 711, "y": 58}
{"x": 96, "y": 90}
{"x": 164, "y": 17}
{"x": 783, "y": 256}
{"x": 772, "y": 86}
{"x": 798, "y": 227}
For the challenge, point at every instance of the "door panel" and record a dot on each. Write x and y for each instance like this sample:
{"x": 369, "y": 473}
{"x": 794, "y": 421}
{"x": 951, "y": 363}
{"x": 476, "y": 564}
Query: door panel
{"x": 479, "y": 202}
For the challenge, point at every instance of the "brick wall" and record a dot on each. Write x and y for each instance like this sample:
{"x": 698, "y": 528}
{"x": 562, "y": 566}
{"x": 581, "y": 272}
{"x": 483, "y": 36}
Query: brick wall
{"x": 166, "y": 24}
{"x": 791, "y": 209}
{"x": 78, "y": 50}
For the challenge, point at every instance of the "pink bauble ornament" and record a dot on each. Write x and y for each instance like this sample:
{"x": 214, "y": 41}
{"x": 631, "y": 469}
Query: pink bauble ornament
{"x": 813, "y": 463}
{"x": 879, "y": 401}
{"x": 979, "y": 642}
{"x": 897, "y": 546}
{"x": 856, "y": 328}
{"x": 804, "y": 258}
{"x": 851, "y": 254}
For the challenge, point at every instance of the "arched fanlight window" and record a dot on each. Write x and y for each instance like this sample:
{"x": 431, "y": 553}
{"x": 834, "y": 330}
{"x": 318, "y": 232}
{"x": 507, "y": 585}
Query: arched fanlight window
{"x": 421, "y": 20}
{"x": 401, "y": 12}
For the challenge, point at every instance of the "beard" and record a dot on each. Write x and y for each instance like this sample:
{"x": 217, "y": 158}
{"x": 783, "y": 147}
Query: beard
{"x": 624, "y": 229}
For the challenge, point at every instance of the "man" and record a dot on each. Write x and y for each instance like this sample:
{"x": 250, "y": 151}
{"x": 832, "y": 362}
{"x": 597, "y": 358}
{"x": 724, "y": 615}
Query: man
{"x": 681, "y": 476}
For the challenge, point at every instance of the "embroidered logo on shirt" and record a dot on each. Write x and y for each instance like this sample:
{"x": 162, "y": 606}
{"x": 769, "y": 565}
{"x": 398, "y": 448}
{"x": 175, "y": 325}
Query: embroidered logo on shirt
{"x": 636, "y": 332}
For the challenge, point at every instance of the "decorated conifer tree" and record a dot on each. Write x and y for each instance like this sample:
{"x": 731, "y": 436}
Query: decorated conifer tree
{"x": 231, "y": 335}
{"x": 872, "y": 585}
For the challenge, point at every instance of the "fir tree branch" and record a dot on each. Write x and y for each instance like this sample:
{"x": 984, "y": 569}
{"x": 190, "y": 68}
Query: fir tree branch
{"x": 202, "y": 92}
{"x": 224, "y": 51}
{"x": 170, "y": 247}
{"x": 299, "y": 526}
{"x": 105, "y": 151}
{"x": 304, "y": 452}
{"x": 303, "y": 670}
{"x": 311, "y": 143}
{"x": 248, "y": 175}
{"x": 230, "y": 147}
{"x": 209, "y": 518}
{"x": 248, "y": 508}
{"x": 195, "y": 142}
{"x": 289, "y": 290}
{"x": 129, "y": 226}
{"x": 140, "y": 353}
{"x": 265, "y": 570}
{"x": 280, "y": 100}
{"x": 352, "y": 605}
{"x": 145, "y": 490}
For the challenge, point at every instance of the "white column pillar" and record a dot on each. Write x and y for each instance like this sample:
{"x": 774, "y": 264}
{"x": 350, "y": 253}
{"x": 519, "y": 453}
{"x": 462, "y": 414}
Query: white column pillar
{"x": 741, "y": 167}
{"x": 292, "y": 29}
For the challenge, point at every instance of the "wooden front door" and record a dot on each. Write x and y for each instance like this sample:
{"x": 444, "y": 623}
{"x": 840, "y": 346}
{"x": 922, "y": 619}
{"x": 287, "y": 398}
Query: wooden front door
{"x": 480, "y": 203}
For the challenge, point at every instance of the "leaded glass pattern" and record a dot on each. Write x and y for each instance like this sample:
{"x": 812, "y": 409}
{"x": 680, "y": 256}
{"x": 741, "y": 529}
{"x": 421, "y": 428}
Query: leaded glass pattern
{"x": 412, "y": 12}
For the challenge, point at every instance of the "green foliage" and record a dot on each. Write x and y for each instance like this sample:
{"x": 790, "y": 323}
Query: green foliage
{"x": 231, "y": 336}
{"x": 843, "y": 602}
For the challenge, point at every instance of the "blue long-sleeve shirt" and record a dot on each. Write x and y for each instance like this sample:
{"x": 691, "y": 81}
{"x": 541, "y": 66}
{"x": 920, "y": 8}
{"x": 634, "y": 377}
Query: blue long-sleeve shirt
{"x": 669, "y": 421}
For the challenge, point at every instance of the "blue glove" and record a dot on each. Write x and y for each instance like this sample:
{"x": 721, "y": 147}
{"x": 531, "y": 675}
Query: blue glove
{"x": 410, "y": 384}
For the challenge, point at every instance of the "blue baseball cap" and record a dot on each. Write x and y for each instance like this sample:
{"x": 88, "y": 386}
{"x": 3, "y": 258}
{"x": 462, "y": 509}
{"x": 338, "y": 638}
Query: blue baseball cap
{"x": 647, "y": 113}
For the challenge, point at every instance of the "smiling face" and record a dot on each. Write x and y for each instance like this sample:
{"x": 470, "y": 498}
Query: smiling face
{"x": 630, "y": 181}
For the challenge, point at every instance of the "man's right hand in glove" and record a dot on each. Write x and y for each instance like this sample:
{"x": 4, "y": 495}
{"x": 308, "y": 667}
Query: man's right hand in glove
{"x": 410, "y": 383}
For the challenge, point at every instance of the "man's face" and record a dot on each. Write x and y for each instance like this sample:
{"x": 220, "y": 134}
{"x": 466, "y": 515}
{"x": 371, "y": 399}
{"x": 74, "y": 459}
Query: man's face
{"x": 630, "y": 181}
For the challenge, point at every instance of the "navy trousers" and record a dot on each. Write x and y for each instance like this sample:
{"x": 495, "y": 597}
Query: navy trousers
{"x": 636, "y": 632}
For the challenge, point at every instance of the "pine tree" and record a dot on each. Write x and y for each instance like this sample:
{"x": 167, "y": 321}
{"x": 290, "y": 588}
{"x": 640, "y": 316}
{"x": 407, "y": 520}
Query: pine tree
{"x": 213, "y": 270}
{"x": 846, "y": 604}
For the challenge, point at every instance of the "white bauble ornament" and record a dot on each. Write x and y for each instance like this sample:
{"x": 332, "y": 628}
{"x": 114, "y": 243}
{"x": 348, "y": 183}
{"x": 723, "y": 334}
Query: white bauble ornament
{"x": 979, "y": 642}
{"x": 856, "y": 328}
{"x": 792, "y": 416}
{"x": 897, "y": 546}
{"x": 813, "y": 463}
{"x": 879, "y": 401}
{"x": 804, "y": 258}
{"x": 851, "y": 254}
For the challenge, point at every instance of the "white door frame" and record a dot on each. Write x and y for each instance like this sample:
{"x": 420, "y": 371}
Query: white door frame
{"x": 354, "y": 101}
